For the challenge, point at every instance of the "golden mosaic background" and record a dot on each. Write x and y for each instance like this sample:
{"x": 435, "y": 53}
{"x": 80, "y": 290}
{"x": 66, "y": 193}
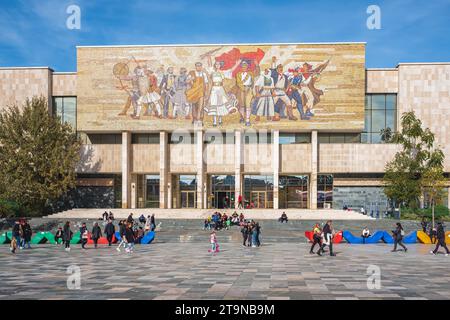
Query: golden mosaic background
{"x": 100, "y": 98}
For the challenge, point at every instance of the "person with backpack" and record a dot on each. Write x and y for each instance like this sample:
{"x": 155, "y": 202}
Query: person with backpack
{"x": 96, "y": 234}
{"x": 84, "y": 235}
{"x": 440, "y": 240}
{"x": 67, "y": 235}
{"x": 109, "y": 231}
{"x": 398, "y": 235}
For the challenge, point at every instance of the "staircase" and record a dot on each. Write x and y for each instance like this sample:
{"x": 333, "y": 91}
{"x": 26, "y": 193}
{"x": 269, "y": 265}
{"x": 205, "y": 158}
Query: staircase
{"x": 257, "y": 214}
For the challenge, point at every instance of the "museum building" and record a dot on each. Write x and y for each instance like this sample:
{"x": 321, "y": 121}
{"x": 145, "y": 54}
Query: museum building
{"x": 162, "y": 158}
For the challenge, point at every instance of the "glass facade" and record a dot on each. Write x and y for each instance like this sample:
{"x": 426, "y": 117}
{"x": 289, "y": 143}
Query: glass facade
{"x": 148, "y": 191}
{"x": 325, "y": 191}
{"x": 339, "y": 137}
{"x": 66, "y": 109}
{"x": 258, "y": 191}
{"x": 185, "y": 191}
{"x": 293, "y": 192}
{"x": 221, "y": 193}
{"x": 145, "y": 138}
{"x": 294, "y": 138}
{"x": 380, "y": 113}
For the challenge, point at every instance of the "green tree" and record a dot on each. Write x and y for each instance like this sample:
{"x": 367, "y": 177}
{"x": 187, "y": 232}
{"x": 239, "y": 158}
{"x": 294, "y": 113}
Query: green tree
{"x": 38, "y": 155}
{"x": 433, "y": 183}
{"x": 407, "y": 174}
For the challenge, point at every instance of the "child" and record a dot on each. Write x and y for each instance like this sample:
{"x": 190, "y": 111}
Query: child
{"x": 214, "y": 244}
{"x": 13, "y": 247}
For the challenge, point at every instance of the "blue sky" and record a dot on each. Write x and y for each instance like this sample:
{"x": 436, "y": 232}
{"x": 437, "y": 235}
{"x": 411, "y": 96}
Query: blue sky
{"x": 34, "y": 32}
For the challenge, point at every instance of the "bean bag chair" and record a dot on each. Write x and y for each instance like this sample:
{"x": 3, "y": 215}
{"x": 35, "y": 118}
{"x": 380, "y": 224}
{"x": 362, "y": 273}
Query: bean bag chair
{"x": 117, "y": 236}
{"x": 39, "y": 238}
{"x": 337, "y": 237}
{"x": 76, "y": 238}
{"x": 423, "y": 237}
{"x": 5, "y": 238}
{"x": 101, "y": 240}
{"x": 148, "y": 238}
{"x": 409, "y": 238}
{"x": 376, "y": 237}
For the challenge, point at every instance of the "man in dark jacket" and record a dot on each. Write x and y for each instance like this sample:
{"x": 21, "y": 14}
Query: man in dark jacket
{"x": 96, "y": 233}
{"x": 130, "y": 219}
{"x": 440, "y": 240}
{"x": 129, "y": 238}
{"x": 109, "y": 232}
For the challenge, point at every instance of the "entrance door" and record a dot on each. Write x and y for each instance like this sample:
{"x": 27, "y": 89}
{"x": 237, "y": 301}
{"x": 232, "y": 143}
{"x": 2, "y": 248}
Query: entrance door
{"x": 188, "y": 199}
{"x": 223, "y": 199}
{"x": 258, "y": 199}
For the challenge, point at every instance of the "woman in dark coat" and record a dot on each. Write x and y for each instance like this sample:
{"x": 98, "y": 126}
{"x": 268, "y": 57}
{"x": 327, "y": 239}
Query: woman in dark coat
{"x": 96, "y": 233}
{"x": 398, "y": 237}
{"x": 67, "y": 235}
{"x": 109, "y": 231}
{"x": 27, "y": 232}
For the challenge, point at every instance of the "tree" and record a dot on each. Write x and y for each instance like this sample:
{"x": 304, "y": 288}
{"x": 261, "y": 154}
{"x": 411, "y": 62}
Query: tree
{"x": 433, "y": 183}
{"x": 409, "y": 173}
{"x": 38, "y": 155}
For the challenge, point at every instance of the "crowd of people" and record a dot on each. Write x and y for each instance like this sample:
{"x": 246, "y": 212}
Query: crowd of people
{"x": 132, "y": 231}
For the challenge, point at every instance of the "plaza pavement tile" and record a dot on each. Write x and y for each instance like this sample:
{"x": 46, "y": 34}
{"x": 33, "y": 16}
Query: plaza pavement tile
{"x": 187, "y": 271}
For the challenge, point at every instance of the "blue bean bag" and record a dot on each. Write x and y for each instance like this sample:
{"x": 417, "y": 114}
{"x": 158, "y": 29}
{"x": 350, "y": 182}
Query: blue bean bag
{"x": 409, "y": 238}
{"x": 148, "y": 238}
{"x": 376, "y": 237}
{"x": 118, "y": 237}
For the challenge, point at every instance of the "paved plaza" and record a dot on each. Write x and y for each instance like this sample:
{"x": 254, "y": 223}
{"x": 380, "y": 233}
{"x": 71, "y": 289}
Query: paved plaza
{"x": 188, "y": 271}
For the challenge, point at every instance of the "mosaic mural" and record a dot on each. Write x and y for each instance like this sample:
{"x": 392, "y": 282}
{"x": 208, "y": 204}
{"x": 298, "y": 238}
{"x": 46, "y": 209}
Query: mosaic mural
{"x": 302, "y": 86}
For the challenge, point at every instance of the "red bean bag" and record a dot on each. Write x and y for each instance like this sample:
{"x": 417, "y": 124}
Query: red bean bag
{"x": 101, "y": 240}
{"x": 337, "y": 237}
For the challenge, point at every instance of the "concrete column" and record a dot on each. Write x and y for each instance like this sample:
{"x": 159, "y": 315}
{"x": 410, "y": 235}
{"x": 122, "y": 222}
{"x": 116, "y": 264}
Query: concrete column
{"x": 134, "y": 194}
{"x": 200, "y": 169}
{"x": 276, "y": 167}
{"x": 314, "y": 169}
{"x": 126, "y": 169}
{"x": 238, "y": 166}
{"x": 163, "y": 170}
{"x": 448, "y": 197}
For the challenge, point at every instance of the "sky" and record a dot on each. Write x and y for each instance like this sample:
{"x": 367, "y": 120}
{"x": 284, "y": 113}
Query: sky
{"x": 34, "y": 32}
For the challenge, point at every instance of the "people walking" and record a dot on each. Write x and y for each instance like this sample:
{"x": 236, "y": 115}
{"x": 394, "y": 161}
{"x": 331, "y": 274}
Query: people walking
{"x": 213, "y": 242}
{"x": 424, "y": 224}
{"x": 96, "y": 234}
{"x": 84, "y": 235}
{"x": 317, "y": 239}
{"x": 122, "y": 227}
{"x": 109, "y": 232}
{"x": 258, "y": 233}
{"x": 67, "y": 235}
{"x": 327, "y": 238}
{"x": 440, "y": 240}
{"x": 129, "y": 238}
{"x": 250, "y": 235}
{"x": 398, "y": 234}
{"x": 17, "y": 233}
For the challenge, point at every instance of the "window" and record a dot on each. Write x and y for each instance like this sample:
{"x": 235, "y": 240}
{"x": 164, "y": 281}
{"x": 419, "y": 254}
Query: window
{"x": 339, "y": 137}
{"x": 66, "y": 109}
{"x": 258, "y": 137}
{"x": 184, "y": 138}
{"x": 324, "y": 191}
{"x": 294, "y": 138}
{"x": 105, "y": 138}
{"x": 145, "y": 138}
{"x": 215, "y": 137}
{"x": 293, "y": 192}
{"x": 380, "y": 113}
